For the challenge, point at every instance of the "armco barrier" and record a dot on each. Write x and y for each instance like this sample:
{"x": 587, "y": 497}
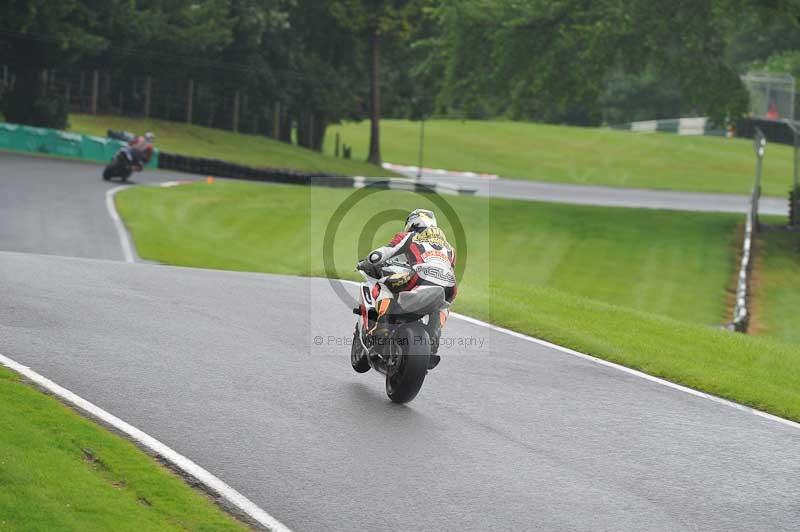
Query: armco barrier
{"x": 61, "y": 143}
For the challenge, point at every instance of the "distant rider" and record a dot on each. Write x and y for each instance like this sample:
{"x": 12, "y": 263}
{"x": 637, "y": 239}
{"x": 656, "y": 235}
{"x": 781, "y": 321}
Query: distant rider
{"x": 140, "y": 150}
{"x": 421, "y": 243}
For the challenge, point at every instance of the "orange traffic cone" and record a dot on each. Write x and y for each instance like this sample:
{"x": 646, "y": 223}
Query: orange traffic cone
{"x": 210, "y": 180}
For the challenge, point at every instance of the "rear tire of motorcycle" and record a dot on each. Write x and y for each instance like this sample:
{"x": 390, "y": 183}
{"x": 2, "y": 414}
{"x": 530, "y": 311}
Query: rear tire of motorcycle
{"x": 358, "y": 359}
{"x": 404, "y": 386}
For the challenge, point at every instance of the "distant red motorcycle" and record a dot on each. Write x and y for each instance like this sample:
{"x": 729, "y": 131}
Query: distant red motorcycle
{"x": 130, "y": 158}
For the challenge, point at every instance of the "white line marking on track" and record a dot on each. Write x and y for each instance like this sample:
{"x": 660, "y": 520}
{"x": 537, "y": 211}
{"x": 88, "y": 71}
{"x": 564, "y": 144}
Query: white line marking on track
{"x": 122, "y": 233}
{"x": 630, "y": 371}
{"x": 232, "y": 496}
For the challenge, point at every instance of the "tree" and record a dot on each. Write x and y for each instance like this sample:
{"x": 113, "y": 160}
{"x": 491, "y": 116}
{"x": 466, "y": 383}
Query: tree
{"x": 43, "y": 34}
{"x": 553, "y": 60}
{"x": 381, "y": 23}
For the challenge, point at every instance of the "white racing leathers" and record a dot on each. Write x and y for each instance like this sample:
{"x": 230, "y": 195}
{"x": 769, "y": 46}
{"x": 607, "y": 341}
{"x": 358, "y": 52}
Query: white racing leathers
{"x": 428, "y": 253}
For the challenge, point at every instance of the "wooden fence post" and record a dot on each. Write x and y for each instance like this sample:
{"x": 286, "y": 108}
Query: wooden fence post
{"x": 147, "y": 84}
{"x": 236, "y": 112}
{"x": 95, "y": 88}
{"x": 81, "y": 86}
{"x": 189, "y": 102}
{"x": 276, "y": 124}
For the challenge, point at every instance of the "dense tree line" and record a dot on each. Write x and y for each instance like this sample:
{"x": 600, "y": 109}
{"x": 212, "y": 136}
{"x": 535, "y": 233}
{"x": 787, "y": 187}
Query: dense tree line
{"x": 561, "y": 61}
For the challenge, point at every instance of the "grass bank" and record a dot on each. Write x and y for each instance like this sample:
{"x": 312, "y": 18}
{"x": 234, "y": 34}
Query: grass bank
{"x": 59, "y": 471}
{"x": 674, "y": 264}
{"x": 616, "y": 270}
{"x": 777, "y": 294}
{"x": 201, "y": 141}
{"x": 577, "y": 155}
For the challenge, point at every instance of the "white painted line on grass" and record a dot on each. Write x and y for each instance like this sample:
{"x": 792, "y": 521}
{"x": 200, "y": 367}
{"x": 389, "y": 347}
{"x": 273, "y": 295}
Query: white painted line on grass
{"x": 630, "y": 371}
{"x": 122, "y": 233}
{"x": 208, "y": 480}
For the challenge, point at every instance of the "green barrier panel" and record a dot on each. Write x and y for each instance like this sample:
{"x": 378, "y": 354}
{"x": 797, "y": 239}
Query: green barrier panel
{"x": 62, "y": 143}
{"x": 67, "y": 144}
{"x": 8, "y": 134}
{"x": 94, "y": 148}
{"x": 35, "y": 139}
{"x": 112, "y": 147}
{"x": 668, "y": 126}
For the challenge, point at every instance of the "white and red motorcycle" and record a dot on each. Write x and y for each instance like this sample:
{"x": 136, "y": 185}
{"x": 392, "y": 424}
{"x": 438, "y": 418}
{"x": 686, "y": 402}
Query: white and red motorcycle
{"x": 398, "y": 332}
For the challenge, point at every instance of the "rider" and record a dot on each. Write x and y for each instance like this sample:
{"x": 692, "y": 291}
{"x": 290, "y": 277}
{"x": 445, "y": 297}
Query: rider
{"x": 421, "y": 243}
{"x": 140, "y": 150}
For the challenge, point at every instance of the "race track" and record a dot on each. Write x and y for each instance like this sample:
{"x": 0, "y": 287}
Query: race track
{"x": 58, "y": 207}
{"x": 608, "y": 196}
{"x": 506, "y": 434}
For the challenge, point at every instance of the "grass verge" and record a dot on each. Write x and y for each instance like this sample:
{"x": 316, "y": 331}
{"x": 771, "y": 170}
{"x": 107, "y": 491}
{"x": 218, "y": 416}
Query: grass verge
{"x": 601, "y": 259}
{"x": 577, "y": 155}
{"x": 60, "y": 471}
{"x": 251, "y": 150}
{"x": 777, "y": 293}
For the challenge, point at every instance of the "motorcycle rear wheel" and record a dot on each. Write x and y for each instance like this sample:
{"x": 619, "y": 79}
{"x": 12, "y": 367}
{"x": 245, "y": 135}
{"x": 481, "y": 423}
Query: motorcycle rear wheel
{"x": 413, "y": 350}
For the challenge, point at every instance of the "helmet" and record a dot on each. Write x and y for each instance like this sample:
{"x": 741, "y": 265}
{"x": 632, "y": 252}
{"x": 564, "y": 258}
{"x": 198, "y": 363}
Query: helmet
{"x": 149, "y": 137}
{"x": 419, "y": 220}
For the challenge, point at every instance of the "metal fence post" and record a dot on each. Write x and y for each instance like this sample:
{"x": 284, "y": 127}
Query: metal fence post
{"x": 759, "y": 143}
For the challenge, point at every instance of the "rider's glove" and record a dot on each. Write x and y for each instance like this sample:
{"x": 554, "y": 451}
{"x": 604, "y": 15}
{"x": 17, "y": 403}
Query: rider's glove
{"x": 369, "y": 268}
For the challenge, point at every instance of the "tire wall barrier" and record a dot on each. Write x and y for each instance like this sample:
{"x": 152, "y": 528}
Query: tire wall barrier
{"x": 14, "y": 137}
{"x": 217, "y": 168}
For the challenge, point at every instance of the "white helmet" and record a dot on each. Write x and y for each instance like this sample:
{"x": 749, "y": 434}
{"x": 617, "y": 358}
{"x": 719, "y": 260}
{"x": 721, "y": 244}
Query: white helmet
{"x": 149, "y": 137}
{"x": 419, "y": 220}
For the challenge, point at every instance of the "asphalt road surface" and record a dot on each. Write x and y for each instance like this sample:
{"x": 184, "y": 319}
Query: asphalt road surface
{"x": 609, "y": 196}
{"x": 58, "y": 206}
{"x": 248, "y": 376}
{"x": 223, "y": 367}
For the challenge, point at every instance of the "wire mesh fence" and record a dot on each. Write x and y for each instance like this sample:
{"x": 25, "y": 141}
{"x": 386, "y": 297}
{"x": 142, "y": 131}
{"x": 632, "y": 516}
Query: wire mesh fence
{"x": 179, "y": 100}
{"x": 772, "y": 96}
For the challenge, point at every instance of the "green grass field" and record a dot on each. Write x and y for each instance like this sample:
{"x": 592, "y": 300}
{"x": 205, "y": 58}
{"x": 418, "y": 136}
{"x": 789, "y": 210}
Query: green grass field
{"x": 637, "y": 287}
{"x": 218, "y": 144}
{"x": 777, "y": 294}
{"x": 577, "y": 155}
{"x": 674, "y": 264}
{"x": 59, "y": 471}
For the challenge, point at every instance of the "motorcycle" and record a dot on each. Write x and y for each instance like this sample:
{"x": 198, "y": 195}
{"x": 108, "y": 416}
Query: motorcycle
{"x": 121, "y": 165}
{"x": 398, "y": 332}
